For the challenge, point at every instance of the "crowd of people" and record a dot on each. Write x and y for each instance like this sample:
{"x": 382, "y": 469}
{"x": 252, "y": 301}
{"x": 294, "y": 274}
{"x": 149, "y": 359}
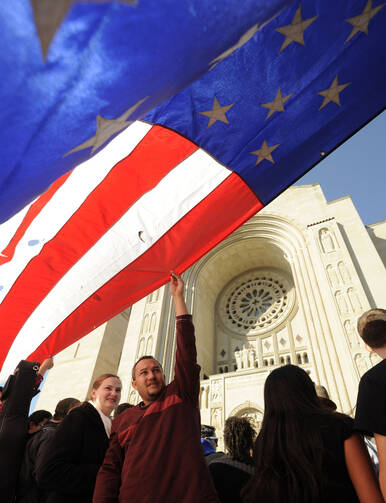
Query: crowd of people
{"x": 305, "y": 451}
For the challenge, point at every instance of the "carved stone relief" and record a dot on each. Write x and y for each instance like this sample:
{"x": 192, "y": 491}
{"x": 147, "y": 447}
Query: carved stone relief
{"x": 354, "y": 300}
{"x": 327, "y": 240}
{"x": 216, "y": 391}
{"x": 204, "y": 393}
{"x": 251, "y": 357}
{"x": 153, "y": 297}
{"x": 332, "y": 276}
{"x": 342, "y": 302}
{"x": 216, "y": 420}
{"x": 267, "y": 345}
{"x": 361, "y": 363}
{"x": 206, "y": 397}
{"x": 351, "y": 334}
{"x": 246, "y": 358}
{"x": 344, "y": 273}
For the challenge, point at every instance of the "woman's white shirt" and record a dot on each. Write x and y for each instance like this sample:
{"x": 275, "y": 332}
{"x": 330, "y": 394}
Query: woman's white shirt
{"x": 105, "y": 419}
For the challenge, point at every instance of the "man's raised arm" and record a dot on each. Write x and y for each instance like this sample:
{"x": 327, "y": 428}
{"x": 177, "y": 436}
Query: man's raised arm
{"x": 186, "y": 370}
{"x": 176, "y": 287}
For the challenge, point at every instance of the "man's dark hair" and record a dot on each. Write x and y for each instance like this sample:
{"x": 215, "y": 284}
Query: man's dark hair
{"x": 238, "y": 438}
{"x": 38, "y": 416}
{"x": 372, "y": 328}
{"x": 63, "y": 407}
{"x": 145, "y": 357}
{"x": 1, "y": 388}
{"x": 207, "y": 431}
{"x": 121, "y": 407}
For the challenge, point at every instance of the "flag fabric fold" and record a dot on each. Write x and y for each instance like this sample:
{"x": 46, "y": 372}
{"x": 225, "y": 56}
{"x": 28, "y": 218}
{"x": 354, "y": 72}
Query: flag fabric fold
{"x": 166, "y": 189}
{"x": 80, "y": 71}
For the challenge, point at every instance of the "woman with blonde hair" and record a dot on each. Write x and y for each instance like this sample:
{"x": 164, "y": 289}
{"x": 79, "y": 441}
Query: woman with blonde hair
{"x": 79, "y": 445}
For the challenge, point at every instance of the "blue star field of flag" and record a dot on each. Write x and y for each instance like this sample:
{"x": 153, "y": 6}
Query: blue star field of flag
{"x": 77, "y": 72}
{"x": 290, "y": 95}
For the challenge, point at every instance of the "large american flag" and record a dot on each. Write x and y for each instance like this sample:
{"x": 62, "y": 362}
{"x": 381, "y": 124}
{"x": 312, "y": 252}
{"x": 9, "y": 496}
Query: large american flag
{"x": 277, "y": 97}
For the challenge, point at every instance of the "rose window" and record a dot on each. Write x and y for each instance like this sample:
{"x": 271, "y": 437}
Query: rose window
{"x": 254, "y": 302}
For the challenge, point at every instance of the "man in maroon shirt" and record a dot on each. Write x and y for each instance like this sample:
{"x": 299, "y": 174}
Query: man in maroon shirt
{"x": 155, "y": 453}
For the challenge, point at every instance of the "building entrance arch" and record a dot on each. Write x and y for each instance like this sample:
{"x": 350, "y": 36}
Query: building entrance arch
{"x": 251, "y": 411}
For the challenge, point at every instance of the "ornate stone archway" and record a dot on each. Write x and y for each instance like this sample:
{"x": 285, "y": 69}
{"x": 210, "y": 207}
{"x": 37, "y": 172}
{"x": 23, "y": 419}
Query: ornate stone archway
{"x": 306, "y": 330}
{"x": 251, "y": 411}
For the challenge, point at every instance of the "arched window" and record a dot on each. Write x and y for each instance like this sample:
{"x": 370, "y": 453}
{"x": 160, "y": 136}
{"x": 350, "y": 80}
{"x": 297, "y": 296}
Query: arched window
{"x": 141, "y": 347}
{"x": 288, "y": 360}
{"x": 299, "y": 359}
{"x": 305, "y": 358}
{"x": 149, "y": 345}
{"x": 282, "y": 361}
{"x": 153, "y": 322}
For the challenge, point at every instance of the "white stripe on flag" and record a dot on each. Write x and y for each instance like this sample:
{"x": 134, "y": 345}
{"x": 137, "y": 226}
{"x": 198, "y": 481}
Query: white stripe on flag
{"x": 152, "y": 215}
{"x": 67, "y": 200}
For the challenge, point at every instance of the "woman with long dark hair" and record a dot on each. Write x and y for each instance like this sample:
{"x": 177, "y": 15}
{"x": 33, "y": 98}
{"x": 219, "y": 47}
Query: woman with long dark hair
{"x": 306, "y": 453}
{"x": 79, "y": 445}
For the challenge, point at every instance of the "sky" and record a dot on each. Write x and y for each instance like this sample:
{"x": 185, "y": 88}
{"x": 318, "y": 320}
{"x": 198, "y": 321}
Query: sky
{"x": 358, "y": 169}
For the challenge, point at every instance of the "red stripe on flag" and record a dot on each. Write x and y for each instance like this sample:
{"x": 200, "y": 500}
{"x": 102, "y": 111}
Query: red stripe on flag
{"x": 153, "y": 158}
{"x": 219, "y": 214}
{"x": 31, "y": 214}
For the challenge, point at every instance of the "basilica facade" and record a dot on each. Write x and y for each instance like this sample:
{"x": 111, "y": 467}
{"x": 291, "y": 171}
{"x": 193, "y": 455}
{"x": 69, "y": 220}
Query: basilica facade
{"x": 286, "y": 287}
